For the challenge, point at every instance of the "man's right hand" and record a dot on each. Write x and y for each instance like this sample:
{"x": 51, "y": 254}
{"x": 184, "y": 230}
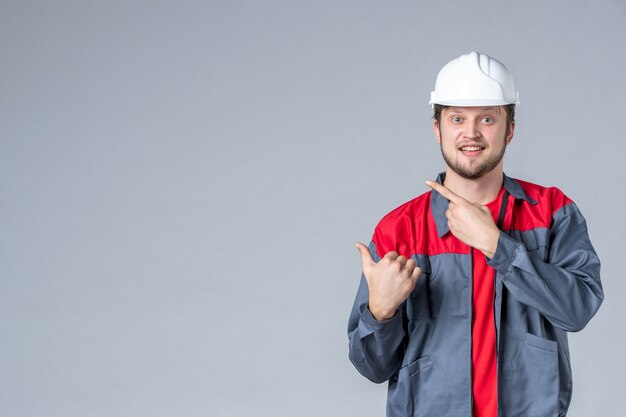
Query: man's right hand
{"x": 390, "y": 281}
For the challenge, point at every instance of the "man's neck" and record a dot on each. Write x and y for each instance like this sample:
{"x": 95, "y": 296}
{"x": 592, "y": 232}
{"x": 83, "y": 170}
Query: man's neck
{"x": 481, "y": 190}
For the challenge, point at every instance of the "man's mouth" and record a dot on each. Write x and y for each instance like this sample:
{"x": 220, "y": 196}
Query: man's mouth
{"x": 471, "y": 148}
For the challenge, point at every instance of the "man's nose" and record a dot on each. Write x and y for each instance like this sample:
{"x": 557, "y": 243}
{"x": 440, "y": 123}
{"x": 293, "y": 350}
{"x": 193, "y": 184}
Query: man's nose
{"x": 472, "y": 131}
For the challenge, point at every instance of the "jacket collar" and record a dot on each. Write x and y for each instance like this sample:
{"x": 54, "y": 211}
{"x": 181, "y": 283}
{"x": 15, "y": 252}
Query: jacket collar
{"x": 439, "y": 204}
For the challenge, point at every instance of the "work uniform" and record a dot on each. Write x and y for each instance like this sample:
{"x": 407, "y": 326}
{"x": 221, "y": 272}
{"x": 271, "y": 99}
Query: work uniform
{"x": 546, "y": 284}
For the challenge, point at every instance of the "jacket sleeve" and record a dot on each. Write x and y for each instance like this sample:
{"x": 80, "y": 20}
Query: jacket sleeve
{"x": 566, "y": 288}
{"x": 375, "y": 346}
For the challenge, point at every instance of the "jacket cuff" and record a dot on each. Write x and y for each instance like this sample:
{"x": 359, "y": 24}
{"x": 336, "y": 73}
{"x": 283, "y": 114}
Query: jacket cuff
{"x": 506, "y": 251}
{"x": 380, "y": 326}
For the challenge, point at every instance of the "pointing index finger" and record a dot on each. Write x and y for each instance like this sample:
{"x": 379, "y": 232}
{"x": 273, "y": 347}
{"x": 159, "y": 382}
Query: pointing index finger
{"x": 446, "y": 192}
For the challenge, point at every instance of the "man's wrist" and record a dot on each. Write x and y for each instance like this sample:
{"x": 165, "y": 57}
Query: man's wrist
{"x": 492, "y": 244}
{"x": 380, "y": 315}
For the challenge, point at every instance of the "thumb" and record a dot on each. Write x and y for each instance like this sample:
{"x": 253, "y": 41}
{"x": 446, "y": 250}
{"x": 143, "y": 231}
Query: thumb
{"x": 366, "y": 256}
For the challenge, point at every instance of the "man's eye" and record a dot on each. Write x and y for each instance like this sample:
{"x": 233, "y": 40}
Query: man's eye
{"x": 488, "y": 119}
{"x": 456, "y": 119}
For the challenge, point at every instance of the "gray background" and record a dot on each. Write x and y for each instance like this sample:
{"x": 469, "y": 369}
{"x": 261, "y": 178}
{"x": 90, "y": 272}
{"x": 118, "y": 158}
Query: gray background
{"x": 182, "y": 182}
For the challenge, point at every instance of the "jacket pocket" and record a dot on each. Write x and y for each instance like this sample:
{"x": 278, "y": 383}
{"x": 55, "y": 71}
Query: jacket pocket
{"x": 414, "y": 367}
{"x": 540, "y": 253}
{"x": 535, "y": 245}
{"x": 413, "y": 379}
{"x": 540, "y": 343}
{"x": 532, "y": 388}
{"x": 421, "y": 390}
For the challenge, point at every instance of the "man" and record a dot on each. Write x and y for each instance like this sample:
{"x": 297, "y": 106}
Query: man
{"x": 468, "y": 291}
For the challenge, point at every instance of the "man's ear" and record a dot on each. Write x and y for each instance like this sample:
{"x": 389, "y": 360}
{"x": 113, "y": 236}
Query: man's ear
{"x": 509, "y": 136}
{"x": 437, "y": 131}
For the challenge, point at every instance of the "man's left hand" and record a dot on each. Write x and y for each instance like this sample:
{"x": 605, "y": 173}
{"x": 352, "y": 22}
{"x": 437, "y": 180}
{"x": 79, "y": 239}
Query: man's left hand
{"x": 471, "y": 223}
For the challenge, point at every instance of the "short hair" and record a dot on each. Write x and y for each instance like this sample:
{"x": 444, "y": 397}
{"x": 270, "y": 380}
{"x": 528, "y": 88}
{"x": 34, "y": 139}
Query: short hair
{"x": 510, "y": 113}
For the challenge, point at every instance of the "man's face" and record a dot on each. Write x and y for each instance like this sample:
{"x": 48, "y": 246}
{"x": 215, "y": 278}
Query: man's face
{"x": 473, "y": 139}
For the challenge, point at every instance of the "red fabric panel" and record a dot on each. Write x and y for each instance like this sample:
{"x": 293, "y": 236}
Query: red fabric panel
{"x": 407, "y": 231}
{"x": 484, "y": 370}
{"x": 540, "y": 215}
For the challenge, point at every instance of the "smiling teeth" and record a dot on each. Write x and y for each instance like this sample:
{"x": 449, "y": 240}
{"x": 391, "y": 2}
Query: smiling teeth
{"x": 471, "y": 148}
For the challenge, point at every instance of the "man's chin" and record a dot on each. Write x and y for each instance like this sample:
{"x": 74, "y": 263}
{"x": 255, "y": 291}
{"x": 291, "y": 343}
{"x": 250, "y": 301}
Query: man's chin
{"x": 469, "y": 175}
{"x": 472, "y": 173}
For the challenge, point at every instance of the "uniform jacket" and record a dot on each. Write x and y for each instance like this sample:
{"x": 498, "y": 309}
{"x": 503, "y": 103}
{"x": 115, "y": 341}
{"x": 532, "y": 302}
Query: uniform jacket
{"x": 547, "y": 283}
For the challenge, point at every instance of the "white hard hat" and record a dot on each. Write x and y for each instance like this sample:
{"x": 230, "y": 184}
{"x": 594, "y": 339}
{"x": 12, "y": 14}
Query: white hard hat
{"x": 474, "y": 80}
